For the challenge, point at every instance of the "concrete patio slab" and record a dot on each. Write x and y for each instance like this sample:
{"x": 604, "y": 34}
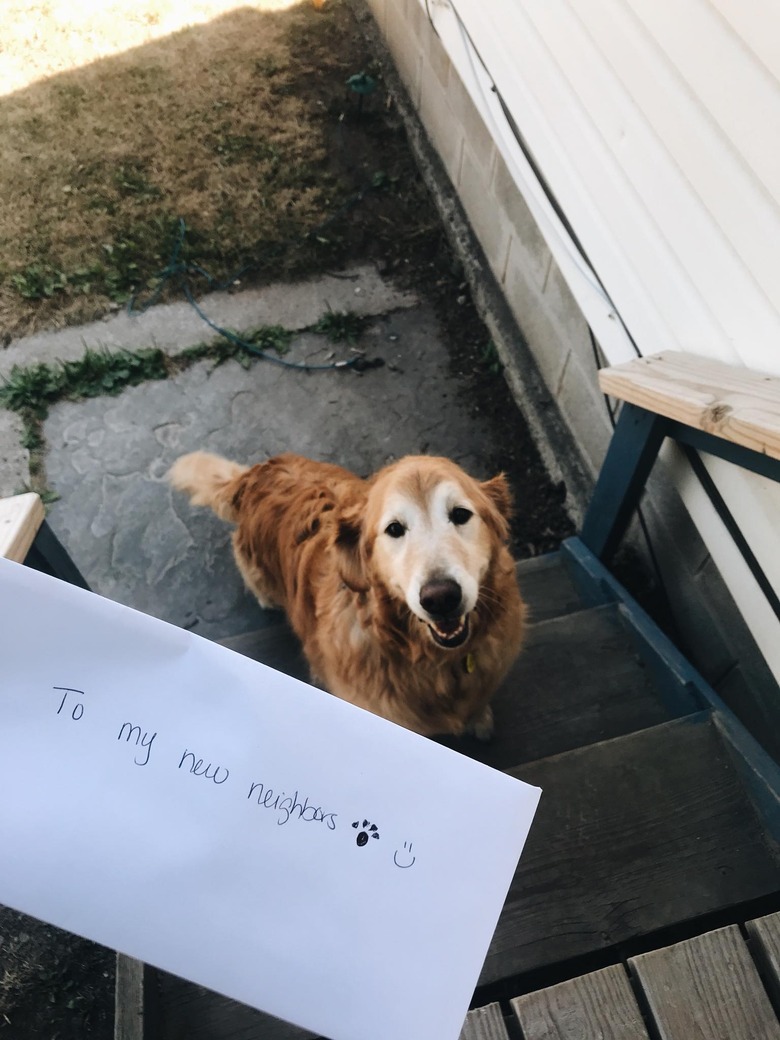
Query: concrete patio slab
{"x": 176, "y": 326}
{"x": 139, "y": 543}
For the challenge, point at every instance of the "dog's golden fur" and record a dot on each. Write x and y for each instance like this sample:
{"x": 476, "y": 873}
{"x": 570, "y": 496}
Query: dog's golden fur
{"x": 369, "y": 573}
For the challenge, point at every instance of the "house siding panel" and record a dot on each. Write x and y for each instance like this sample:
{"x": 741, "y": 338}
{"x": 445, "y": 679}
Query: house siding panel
{"x": 654, "y": 123}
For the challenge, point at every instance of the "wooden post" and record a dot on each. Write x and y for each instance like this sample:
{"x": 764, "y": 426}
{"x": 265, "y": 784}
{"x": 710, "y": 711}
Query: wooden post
{"x": 633, "y": 450}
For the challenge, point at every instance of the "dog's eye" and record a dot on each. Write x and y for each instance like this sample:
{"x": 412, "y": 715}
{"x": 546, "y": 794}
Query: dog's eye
{"x": 396, "y": 529}
{"x": 459, "y": 516}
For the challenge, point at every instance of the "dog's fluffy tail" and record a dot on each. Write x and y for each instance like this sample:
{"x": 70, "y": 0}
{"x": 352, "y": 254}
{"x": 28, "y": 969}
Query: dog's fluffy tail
{"x": 209, "y": 480}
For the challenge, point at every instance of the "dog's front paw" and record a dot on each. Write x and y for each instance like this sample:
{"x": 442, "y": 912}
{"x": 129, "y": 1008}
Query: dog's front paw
{"x": 482, "y": 725}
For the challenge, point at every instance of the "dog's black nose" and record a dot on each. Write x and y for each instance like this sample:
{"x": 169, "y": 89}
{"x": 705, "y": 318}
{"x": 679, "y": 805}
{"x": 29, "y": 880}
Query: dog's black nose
{"x": 441, "y": 597}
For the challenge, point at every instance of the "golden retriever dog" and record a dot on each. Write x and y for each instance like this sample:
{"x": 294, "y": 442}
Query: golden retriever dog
{"x": 400, "y": 588}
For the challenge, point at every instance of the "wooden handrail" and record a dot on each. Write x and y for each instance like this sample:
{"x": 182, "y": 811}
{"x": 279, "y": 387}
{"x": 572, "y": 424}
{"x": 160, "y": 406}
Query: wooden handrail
{"x": 20, "y": 518}
{"x": 25, "y": 537}
{"x": 733, "y": 403}
{"x": 704, "y": 405}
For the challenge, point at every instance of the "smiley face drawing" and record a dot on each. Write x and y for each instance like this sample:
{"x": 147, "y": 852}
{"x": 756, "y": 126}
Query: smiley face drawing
{"x": 404, "y": 859}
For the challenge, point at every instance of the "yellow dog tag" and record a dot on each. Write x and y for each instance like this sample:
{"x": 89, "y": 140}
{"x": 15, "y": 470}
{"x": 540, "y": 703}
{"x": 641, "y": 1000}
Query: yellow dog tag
{"x": 470, "y": 663}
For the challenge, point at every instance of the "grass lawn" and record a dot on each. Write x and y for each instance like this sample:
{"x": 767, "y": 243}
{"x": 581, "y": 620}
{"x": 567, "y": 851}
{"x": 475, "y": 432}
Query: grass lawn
{"x": 119, "y": 120}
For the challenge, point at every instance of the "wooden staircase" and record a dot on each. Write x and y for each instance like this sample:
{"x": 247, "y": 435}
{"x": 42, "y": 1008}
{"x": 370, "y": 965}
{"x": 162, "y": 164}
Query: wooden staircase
{"x": 658, "y": 816}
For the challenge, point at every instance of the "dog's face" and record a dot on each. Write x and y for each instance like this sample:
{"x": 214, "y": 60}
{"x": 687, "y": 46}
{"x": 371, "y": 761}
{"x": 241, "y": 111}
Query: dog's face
{"x": 428, "y": 534}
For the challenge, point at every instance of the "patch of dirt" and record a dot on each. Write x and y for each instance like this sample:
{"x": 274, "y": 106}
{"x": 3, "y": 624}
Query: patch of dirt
{"x": 246, "y": 128}
{"x": 53, "y": 985}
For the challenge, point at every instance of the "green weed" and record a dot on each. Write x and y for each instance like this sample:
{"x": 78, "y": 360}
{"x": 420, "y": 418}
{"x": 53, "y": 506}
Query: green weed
{"x": 32, "y": 438}
{"x": 341, "y": 326}
{"x": 39, "y": 281}
{"x": 265, "y": 338}
{"x": 271, "y": 337}
{"x": 490, "y": 360}
{"x": 220, "y": 351}
{"x": 131, "y": 259}
{"x": 98, "y": 373}
{"x": 31, "y": 391}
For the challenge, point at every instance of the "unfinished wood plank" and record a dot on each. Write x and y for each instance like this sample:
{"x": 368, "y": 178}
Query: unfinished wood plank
{"x": 20, "y": 518}
{"x": 599, "y": 1006}
{"x": 765, "y": 936}
{"x": 485, "y": 1023}
{"x": 129, "y": 999}
{"x": 707, "y": 987}
{"x": 734, "y": 403}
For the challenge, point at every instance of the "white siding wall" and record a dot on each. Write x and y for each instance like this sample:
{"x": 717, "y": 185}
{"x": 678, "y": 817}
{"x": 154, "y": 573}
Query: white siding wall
{"x": 655, "y": 124}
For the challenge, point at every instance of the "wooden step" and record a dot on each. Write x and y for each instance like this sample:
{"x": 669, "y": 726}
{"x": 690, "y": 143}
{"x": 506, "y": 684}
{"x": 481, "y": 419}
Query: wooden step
{"x": 632, "y": 835}
{"x": 579, "y": 680}
{"x": 547, "y": 587}
{"x": 545, "y": 581}
{"x": 183, "y": 1009}
{"x": 275, "y": 645}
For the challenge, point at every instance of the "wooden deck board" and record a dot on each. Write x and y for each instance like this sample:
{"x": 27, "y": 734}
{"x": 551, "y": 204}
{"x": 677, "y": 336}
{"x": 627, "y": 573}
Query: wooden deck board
{"x": 765, "y": 937}
{"x": 735, "y": 403}
{"x": 621, "y": 848}
{"x": 599, "y": 1006}
{"x": 485, "y": 1023}
{"x": 706, "y": 987}
{"x": 130, "y": 999}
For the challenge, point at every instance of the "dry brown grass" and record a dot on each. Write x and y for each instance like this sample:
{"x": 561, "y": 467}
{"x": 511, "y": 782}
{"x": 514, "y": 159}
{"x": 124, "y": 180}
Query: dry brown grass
{"x": 119, "y": 121}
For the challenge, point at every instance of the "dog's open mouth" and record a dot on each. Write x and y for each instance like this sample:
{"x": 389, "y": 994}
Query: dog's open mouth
{"x": 450, "y": 633}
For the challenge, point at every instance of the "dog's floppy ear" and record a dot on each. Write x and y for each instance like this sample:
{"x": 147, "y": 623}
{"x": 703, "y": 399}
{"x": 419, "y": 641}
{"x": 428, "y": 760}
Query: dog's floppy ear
{"x": 500, "y": 497}
{"x": 350, "y": 549}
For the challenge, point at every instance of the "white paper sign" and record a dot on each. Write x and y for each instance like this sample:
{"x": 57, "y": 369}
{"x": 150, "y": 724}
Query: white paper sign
{"x": 191, "y": 808}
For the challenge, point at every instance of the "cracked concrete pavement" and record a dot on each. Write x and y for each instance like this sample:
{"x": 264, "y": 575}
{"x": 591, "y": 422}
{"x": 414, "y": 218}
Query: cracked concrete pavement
{"x": 141, "y": 544}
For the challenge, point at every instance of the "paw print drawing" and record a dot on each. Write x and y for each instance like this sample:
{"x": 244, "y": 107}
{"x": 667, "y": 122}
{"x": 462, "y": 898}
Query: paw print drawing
{"x": 404, "y": 859}
{"x": 368, "y": 829}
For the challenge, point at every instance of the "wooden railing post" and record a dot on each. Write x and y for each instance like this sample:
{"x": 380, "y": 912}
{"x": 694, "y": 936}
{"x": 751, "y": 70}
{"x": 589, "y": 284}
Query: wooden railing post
{"x": 633, "y": 450}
